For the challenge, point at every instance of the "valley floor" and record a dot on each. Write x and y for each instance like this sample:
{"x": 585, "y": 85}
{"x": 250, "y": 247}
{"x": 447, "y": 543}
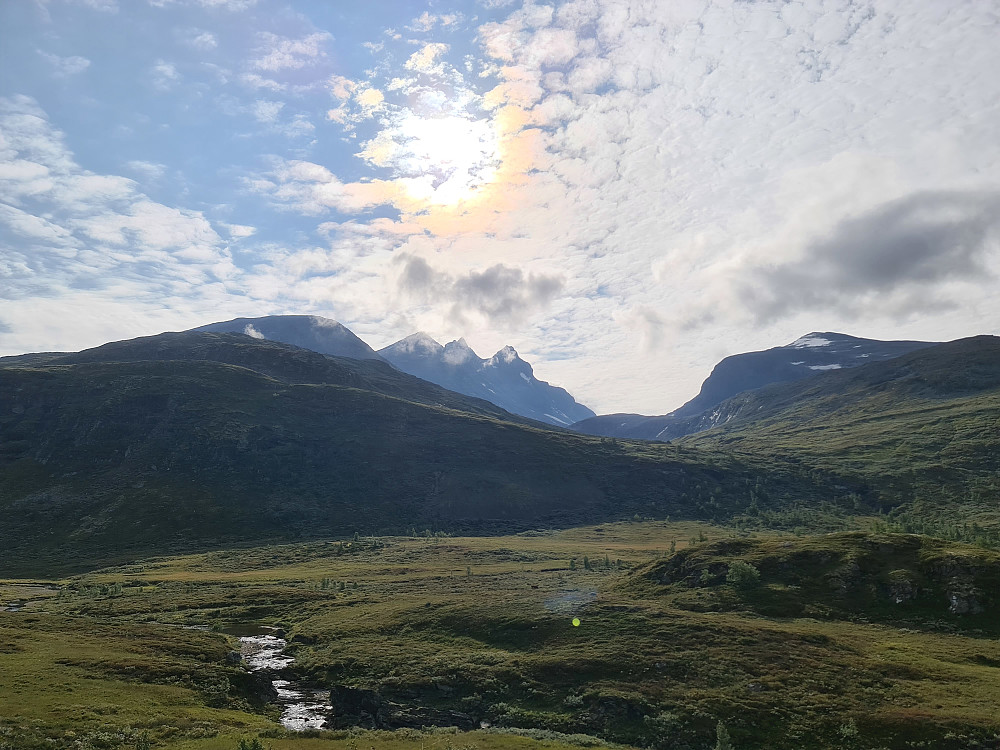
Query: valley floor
{"x": 630, "y": 633}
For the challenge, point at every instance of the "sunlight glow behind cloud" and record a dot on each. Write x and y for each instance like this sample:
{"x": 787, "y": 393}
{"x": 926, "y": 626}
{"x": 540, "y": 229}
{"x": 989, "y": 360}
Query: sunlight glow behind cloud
{"x": 624, "y": 190}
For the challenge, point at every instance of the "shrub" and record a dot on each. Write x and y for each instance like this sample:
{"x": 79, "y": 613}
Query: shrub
{"x": 743, "y": 575}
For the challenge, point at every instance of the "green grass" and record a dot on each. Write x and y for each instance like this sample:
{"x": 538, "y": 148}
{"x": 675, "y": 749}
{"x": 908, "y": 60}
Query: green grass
{"x": 484, "y": 626}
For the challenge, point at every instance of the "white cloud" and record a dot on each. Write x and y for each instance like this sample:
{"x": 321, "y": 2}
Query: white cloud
{"x": 278, "y": 53}
{"x": 146, "y": 169}
{"x": 64, "y": 67}
{"x": 79, "y": 244}
{"x": 199, "y": 39}
{"x": 230, "y": 5}
{"x": 164, "y": 75}
{"x": 267, "y": 111}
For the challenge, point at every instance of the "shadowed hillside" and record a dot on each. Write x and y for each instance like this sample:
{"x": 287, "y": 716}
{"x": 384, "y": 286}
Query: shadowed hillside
{"x": 192, "y": 440}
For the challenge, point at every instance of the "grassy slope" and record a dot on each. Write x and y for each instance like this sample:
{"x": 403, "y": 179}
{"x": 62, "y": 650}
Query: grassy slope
{"x": 483, "y": 625}
{"x": 922, "y": 428}
{"x": 102, "y": 461}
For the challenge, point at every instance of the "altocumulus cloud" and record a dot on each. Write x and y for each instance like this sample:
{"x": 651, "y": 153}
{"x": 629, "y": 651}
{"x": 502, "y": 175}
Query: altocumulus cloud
{"x": 897, "y": 258}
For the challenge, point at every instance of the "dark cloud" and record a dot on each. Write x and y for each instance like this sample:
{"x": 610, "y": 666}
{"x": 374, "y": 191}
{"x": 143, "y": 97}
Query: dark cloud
{"x": 500, "y": 292}
{"x": 903, "y": 250}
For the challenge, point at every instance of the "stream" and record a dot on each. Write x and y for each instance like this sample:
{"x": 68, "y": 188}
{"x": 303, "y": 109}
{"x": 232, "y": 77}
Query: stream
{"x": 302, "y": 707}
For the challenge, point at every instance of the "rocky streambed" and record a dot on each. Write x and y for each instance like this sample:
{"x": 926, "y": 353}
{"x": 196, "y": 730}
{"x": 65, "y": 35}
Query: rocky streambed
{"x": 264, "y": 652}
{"x": 338, "y": 707}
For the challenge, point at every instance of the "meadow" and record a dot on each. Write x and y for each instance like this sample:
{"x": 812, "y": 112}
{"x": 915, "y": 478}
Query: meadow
{"x": 627, "y": 633}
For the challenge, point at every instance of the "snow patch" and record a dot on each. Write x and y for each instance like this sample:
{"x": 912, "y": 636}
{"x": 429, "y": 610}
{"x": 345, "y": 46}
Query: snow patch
{"x": 810, "y": 341}
{"x": 824, "y": 367}
{"x": 798, "y": 363}
{"x": 526, "y": 379}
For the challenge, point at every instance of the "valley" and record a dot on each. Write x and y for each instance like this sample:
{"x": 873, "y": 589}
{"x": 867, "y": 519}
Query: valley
{"x": 819, "y": 569}
{"x": 478, "y": 633}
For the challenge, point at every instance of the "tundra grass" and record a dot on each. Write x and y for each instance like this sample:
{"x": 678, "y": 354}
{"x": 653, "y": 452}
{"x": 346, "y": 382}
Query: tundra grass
{"x": 557, "y": 633}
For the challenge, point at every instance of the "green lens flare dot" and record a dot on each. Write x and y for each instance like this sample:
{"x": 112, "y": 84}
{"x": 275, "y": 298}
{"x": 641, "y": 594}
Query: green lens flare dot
{"x": 576, "y": 622}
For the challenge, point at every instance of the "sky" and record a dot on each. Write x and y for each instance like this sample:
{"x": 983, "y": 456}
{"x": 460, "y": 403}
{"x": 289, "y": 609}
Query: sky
{"x": 626, "y": 191}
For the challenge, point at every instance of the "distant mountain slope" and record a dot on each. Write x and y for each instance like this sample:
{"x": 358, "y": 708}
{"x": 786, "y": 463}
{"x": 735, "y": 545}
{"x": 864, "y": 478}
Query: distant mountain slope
{"x": 193, "y": 440}
{"x": 287, "y": 363}
{"x": 924, "y": 426}
{"x": 805, "y": 357}
{"x": 504, "y": 379}
{"x": 307, "y": 331}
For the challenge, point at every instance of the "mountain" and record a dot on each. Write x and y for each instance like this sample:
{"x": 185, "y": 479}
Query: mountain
{"x": 307, "y": 331}
{"x": 504, "y": 379}
{"x": 808, "y": 356}
{"x": 921, "y": 428}
{"x": 197, "y": 440}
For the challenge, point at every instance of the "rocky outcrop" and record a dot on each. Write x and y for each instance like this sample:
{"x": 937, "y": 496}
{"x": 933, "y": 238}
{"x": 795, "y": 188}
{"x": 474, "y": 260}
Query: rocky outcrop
{"x": 358, "y": 707}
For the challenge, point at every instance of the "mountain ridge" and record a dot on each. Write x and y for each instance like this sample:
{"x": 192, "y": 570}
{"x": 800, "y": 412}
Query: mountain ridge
{"x": 504, "y": 379}
{"x": 196, "y": 440}
{"x": 319, "y": 334}
{"x": 806, "y": 357}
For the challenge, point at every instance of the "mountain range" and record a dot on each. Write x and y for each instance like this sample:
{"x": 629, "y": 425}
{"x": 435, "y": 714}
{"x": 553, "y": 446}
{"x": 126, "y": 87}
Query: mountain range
{"x": 503, "y": 379}
{"x": 197, "y": 439}
{"x": 806, "y": 357}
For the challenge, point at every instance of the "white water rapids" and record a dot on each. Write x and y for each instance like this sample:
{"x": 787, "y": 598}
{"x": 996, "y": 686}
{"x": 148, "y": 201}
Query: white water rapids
{"x": 302, "y": 708}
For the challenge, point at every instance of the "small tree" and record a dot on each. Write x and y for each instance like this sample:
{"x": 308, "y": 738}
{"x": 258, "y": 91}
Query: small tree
{"x": 743, "y": 575}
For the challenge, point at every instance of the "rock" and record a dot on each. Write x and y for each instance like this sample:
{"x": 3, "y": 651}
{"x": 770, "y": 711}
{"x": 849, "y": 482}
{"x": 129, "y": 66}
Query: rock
{"x": 358, "y": 707}
{"x": 415, "y": 717}
{"x": 233, "y": 658}
{"x": 901, "y": 588}
{"x": 963, "y": 600}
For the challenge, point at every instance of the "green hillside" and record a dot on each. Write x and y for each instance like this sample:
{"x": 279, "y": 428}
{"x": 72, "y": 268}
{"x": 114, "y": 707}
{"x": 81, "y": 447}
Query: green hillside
{"x": 920, "y": 432}
{"x": 183, "y": 441}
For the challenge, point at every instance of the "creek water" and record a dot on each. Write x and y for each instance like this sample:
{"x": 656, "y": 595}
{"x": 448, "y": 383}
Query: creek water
{"x": 302, "y": 707}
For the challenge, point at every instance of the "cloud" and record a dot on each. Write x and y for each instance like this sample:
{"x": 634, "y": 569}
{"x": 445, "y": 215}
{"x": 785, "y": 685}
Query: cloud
{"x": 164, "y": 75}
{"x": 898, "y": 257}
{"x": 279, "y": 53}
{"x": 199, "y": 39}
{"x": 230, "y": 5}
{"x": 267, "y": 111}
{"x": 147, "y": 169}
{"x": 425, "y": 60}
{"x": 78, "y": 245}
{"x": 66, "y": 66}
{"x": 499, "y": 293}
{"x": 105, "y": 6}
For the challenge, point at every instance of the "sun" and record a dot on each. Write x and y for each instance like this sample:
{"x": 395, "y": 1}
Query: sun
{"x": 445, "y": 160}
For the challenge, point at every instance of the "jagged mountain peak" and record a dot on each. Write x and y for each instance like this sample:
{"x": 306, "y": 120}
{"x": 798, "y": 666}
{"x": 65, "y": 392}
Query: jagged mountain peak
{"x": 418, "y": 341}
{"x": 504, "y": 379}
{"x": 506, "y": 356}
{"x": 459, "y": 352}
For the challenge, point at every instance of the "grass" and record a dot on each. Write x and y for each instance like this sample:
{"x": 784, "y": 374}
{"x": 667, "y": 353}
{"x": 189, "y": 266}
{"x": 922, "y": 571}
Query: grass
{"x": 483, "y": 626}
